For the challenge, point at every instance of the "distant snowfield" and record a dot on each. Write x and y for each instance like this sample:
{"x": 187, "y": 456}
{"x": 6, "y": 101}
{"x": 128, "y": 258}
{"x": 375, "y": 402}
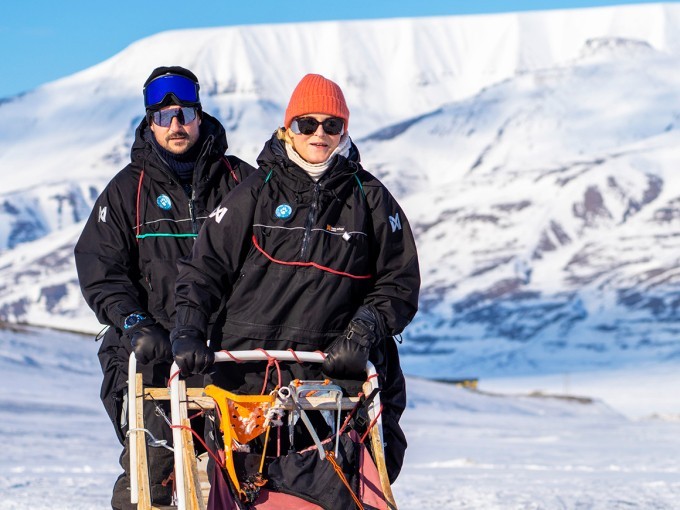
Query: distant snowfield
{"x": 473, "y": 450}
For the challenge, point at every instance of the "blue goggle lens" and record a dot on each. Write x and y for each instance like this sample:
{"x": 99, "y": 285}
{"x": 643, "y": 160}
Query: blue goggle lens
{"x": 184, "y": 89}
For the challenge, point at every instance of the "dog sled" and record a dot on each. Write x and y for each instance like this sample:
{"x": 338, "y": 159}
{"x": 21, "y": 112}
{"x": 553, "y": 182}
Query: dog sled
{"x": 339, "y": 470}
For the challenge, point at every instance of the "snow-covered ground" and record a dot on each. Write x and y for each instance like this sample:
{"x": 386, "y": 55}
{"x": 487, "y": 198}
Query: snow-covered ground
{"x": 494, "y": 449}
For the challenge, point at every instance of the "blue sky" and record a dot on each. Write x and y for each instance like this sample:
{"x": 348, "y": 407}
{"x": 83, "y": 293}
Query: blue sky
{"x": 43, "y": 40}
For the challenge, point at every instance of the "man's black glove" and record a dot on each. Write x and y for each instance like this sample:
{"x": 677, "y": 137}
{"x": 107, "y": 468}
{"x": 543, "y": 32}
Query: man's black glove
{"x": 347, "y": 356}
{"x": 192, "y": 355}
{"x": 150, "y": 342}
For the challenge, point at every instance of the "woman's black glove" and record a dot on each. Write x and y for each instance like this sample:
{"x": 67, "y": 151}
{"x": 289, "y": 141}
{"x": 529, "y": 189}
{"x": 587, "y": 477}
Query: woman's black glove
{"x": 347, "y": 356}
{"x": 150, "y": 342}
{"x": 192, "y": 355}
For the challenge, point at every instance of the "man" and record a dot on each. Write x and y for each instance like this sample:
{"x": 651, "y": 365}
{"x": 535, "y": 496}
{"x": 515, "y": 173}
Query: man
{"x": 143, "y": 222}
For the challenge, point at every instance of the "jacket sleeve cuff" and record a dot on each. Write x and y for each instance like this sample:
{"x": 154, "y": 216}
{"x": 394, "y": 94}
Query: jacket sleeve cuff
{"x": 119, "y": 312}
{"x": 191, "y": 317}
{"x": 369, "y": 314}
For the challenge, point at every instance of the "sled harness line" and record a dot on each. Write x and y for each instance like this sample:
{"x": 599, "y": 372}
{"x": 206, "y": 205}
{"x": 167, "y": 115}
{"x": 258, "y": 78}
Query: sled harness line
{"x": 363, "y": 402}
{"x": 308, "y": 264}
{"x": 338, "y": 470}
{"x": 172, "y": 376}
{"x": 200, "y": 439}
{"x": 375, "y": 420}
{"x": 270, "y": 361}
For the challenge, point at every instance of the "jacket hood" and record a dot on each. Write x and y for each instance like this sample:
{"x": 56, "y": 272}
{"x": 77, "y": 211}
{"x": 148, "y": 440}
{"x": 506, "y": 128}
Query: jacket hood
{"x": 213, "y": 139}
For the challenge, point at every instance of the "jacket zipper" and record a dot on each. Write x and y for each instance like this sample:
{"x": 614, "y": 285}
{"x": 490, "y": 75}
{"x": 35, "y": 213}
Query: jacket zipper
{"x": 309, "y": 223}
{"x": 192, "y": 215}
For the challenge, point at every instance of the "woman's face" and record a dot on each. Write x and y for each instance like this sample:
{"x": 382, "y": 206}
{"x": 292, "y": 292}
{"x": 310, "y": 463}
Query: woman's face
{"x": 317, "y": 147}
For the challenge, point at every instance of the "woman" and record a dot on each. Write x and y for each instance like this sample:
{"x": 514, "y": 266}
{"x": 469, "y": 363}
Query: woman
{"x": 310, "y": 253}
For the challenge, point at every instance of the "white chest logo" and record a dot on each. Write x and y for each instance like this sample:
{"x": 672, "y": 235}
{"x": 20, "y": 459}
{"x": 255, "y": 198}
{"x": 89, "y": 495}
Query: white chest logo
{"x": 218, "y": 213}
{"x": 102, "y": 214}
{"x": 395, "y": 222}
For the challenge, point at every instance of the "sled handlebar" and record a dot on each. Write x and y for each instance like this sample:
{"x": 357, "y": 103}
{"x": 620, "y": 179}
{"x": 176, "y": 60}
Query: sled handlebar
{"x": 264, "y": 355}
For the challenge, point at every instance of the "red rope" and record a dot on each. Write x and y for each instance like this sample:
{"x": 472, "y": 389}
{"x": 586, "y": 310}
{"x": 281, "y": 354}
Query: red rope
{"x": 263, "y": 351}
{"x": 269, "y": 356}
{"x": 349, "y": 416}
{"x": 363, "y": 438}
{"x": 231, "y": 170}
{"x": 330, "y": 456}
{"x": 308, "y": 264}
{"x": 172, "y": 376}
{"x": 200, "y": 439}
{"x": 271, "y": 362}
{"x": 294, "y": 355}
{"x": 228, "y": 353}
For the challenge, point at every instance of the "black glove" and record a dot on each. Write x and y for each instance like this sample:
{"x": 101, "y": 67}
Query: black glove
{"x": 150, "y": 343}
{"x": 192, "y": 355}
{"x": 347, "y": 356}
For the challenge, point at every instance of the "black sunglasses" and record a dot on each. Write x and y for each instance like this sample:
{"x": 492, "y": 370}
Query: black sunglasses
{"x": 308, "y": 125}
{"x": 185, "y": 115}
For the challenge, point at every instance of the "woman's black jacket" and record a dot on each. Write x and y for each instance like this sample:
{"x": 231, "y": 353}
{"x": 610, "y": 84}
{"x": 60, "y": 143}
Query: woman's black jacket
{"x": 296, "y": 258}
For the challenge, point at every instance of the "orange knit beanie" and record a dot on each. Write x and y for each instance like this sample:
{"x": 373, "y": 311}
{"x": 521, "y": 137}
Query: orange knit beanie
{"x": 316, "y": 94}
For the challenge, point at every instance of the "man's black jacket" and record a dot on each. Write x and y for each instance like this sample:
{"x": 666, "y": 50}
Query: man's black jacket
{"x": 141, "y": 225}
{"x": 144, "y": 221}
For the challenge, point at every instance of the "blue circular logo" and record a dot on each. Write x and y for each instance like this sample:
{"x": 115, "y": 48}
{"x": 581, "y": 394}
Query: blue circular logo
{"x": 283, "y": 211}
{"x": 164, "y": 202}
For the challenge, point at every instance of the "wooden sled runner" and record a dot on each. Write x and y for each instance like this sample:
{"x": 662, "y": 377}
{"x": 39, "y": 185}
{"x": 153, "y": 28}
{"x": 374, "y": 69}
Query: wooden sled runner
{"x": 298, "y": 401}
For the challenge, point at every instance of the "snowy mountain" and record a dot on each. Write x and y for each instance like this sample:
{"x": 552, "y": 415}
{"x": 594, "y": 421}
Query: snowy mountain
{"x": 534, "y": 154}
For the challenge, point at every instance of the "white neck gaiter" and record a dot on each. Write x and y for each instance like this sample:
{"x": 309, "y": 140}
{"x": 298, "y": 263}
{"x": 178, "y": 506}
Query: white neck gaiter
{"x": 316, "y": 170}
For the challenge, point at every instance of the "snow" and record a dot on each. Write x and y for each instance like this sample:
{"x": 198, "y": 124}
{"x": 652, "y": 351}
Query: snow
{"x": 497, "y": 448}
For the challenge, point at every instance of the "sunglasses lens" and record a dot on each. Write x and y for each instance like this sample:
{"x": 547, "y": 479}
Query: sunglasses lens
{"x": 185, "y": 115}
{"x": 181, "y": 87}
{"x": 309, "y": 125}
{"x": 333, "y": 125}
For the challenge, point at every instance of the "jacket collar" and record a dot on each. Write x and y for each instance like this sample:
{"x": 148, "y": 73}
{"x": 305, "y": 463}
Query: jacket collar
{"x": 273, "y": 156}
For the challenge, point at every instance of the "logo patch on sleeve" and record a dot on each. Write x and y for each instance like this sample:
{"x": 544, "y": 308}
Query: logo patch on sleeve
{"x": 395, "y": 222}
{"x": 283, "y": 211}
{"x": 164, "y": 202}
{"x": 218, "y": 213}
{"x": 102, "y": 213}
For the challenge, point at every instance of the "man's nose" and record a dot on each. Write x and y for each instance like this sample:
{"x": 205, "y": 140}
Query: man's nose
{"x": 174, "y": 124}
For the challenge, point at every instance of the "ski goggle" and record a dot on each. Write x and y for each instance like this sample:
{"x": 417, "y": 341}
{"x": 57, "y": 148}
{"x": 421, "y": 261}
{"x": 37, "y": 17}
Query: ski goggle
{"x": 184, "y": 89}
{"x": 184, "y": 114}
{"x": 308, "y": 125}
